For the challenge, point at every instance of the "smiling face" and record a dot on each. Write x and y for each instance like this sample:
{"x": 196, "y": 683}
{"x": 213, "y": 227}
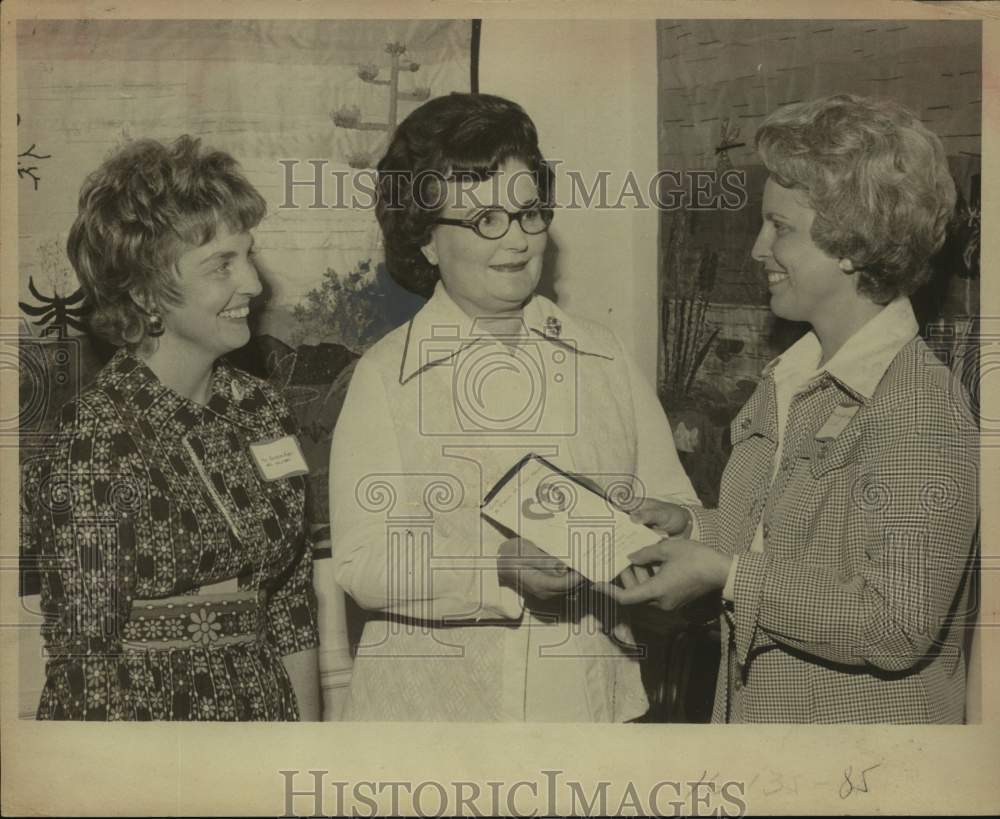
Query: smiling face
{"x": 806, "y": 283}
{"x": 489, "y": 276}
{"x": 216, "y": 282}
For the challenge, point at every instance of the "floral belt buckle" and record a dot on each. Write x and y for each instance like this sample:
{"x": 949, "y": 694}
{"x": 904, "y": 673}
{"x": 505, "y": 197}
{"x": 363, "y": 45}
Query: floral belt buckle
{"x": 194, "y": 621}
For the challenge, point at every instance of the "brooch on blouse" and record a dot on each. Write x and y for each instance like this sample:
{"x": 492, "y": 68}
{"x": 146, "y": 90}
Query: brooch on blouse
{"x": 553, "y": 327}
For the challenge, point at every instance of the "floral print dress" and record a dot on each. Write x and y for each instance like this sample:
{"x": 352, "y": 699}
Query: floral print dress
{"x": 141, "y": 500}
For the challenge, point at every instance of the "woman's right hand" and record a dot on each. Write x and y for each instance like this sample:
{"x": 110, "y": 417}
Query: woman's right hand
{"x": 666, "y": 518}
{"x": 531, "y": 572}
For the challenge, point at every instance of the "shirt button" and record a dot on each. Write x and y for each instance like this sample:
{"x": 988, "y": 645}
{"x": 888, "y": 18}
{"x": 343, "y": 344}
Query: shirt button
{"x": 738, "y": 684}
{"x": 767, "y": 531}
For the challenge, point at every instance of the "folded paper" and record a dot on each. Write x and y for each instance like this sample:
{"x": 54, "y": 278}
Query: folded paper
{"x": 567, "y": 516}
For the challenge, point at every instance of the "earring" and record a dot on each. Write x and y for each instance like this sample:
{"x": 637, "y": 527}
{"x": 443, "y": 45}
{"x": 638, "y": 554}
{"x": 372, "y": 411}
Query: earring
{"x": 155, "y": 325}
{"x": 429, "y": 255}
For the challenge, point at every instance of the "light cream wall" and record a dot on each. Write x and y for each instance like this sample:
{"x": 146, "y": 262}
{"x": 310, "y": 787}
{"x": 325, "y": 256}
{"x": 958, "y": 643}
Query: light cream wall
{"x": 590, "y": 86}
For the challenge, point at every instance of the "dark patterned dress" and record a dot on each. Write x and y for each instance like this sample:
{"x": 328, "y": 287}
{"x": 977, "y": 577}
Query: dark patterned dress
{"x": 142, "y": 499}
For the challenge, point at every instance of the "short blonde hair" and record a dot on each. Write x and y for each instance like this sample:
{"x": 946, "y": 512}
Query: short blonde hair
{"x": 877, "y": 179}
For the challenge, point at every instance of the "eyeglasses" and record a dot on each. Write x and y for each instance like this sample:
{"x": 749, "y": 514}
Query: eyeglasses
{"x": 495, "y": 222}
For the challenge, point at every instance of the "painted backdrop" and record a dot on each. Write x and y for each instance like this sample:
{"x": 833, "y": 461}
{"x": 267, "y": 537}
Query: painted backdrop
{"x": 283, "y": 97}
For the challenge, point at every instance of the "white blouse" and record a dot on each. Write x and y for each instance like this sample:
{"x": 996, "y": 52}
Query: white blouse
{"x": 436, "y": 413}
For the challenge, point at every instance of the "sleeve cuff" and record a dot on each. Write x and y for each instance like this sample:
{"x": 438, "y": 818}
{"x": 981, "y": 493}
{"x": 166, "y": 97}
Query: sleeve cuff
{"x": 701, "y": 524}
{"x": 293, "y": 622}
{"x": 748, "y": 584}
{"x": 499, "y": 600}
{"x": 694, "y": 530}
{"x": 729, "y": 590}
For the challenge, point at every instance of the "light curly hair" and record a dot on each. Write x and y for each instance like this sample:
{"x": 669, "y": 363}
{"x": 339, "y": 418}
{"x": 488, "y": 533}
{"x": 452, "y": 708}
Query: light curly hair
{"x": 877, "y": 178}
{"x": 138, "y": 212}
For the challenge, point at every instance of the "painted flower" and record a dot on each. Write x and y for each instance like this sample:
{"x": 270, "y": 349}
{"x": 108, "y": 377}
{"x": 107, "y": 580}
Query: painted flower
{"x": 173, "y": 628}
{"x": 203, "y": 627}
{"x": 304, "y": 635}
{"x": 101, "y": 470}
{"x": 97, "y": 696}
{"x": 159, "y": 531}
{"x": 83, "y": 510}
{"x": 153, "y": 629}
{"x": 199, "y": 664}
{"x": 96, "y": 684}
{"x": 102, "y": 449}
{"x": 65, "y": 537}
{"x": 162, "y": 548}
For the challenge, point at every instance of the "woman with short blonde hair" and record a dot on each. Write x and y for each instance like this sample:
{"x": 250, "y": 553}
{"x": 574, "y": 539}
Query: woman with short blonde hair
{"x": 843, "y": 540}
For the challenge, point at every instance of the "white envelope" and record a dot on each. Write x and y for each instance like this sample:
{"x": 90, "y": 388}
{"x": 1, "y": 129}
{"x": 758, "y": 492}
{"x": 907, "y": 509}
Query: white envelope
{"x": 563, "y": 515}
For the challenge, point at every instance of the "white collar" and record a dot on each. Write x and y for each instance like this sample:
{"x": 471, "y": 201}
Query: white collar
{"x": 862, "y": 360}
{"x": 441, "y": 329}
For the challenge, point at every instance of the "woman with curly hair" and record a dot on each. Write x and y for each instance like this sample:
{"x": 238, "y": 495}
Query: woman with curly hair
{"x": 466, "y": 622}
{"x": 843, "y": 539}
{"x": 168, "y": 508}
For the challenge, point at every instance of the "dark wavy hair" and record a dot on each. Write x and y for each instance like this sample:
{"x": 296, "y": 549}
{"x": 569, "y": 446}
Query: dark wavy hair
{"x": 877, "y": 178}
{"x": 459, "y": 135}
{"x": 137, "y": 214}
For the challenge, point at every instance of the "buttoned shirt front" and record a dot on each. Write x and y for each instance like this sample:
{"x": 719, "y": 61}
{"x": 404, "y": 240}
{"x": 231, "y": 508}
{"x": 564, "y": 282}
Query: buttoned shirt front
{"x": 853, "y": 610}
{"x": 436, "y": 413}
{"x": 859, "y": 365}
{"x": 168, "y": 500}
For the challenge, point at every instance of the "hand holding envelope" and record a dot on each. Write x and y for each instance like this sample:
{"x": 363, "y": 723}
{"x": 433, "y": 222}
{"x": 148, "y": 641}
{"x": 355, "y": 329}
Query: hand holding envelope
{"x": 693, "y": 570}
{"x": 671, "y": 574}
{"x": 583, "y": 535}
{"x": 569, "y": 518}
{"x": 532, "y": 572}
{"x": 662, "y": 516}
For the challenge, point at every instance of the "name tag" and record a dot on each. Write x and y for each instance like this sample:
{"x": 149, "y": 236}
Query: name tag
{"x": 279, "y": 458}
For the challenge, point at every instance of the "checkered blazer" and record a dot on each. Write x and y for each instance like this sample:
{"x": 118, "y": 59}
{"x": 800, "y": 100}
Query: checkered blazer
{"x": 854, "y": 611}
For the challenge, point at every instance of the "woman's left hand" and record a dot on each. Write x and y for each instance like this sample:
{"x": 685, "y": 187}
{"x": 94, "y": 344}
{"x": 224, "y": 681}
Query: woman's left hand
{"x": 682, "y": 571}
{"x": 531, "y": 571}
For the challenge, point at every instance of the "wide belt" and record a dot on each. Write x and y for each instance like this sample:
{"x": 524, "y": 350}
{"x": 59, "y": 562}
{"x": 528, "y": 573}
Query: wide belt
{"x": 193, "y": 621}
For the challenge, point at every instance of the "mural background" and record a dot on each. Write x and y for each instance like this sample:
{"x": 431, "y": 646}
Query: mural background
{"x": 265, "y": 91}
{"x": 717, "y": 80}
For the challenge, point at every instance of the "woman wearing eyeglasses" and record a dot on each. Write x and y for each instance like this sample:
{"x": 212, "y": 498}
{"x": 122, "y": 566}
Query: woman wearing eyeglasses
{"x": 466, "y": 622}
